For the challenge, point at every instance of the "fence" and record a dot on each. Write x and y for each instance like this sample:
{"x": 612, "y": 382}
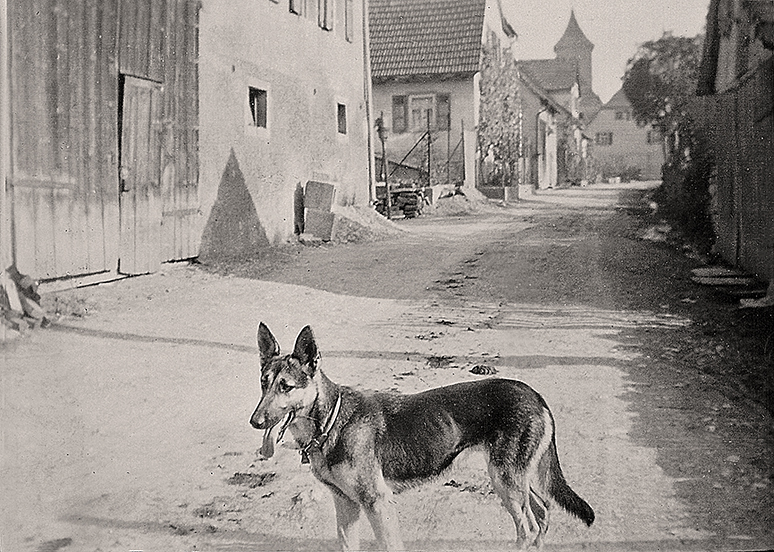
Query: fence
{"x": 740, "y": 127}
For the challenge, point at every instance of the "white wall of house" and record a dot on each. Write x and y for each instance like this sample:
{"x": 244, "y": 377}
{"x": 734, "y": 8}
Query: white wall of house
{"x": 546, "y": 158}
{"x": 464, "y": 100}
{"x": 630, "y": 145}
{"x": 306, "y": 73}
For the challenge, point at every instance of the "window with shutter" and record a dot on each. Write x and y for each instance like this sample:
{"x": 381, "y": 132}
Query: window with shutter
{"x": 399, "y": 114}
{"x": 443, "y": 107}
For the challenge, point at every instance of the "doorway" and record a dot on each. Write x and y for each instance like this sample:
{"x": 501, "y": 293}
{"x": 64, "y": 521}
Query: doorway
{"x": 139, "y": 146}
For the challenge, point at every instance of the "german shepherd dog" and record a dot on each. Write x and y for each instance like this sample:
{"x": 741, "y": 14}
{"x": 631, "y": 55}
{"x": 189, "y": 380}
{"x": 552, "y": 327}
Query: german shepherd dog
{"x": 366, "y": 446}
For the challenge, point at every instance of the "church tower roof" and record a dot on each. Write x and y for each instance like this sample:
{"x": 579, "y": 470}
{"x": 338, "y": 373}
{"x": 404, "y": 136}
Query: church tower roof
{"x": 573, "y": 37}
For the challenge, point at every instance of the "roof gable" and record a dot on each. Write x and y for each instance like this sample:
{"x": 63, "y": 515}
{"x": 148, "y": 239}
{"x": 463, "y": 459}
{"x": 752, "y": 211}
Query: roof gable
{"x": 425, "y": 37}
{"x": 619, "y": 99}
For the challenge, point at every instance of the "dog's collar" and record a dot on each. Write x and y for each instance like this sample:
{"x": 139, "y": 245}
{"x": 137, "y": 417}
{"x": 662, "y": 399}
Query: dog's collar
{"x": 319, "y": 441}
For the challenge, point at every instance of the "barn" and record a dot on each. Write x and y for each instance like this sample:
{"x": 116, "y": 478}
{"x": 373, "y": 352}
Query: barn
{"x": 100, "y": 136}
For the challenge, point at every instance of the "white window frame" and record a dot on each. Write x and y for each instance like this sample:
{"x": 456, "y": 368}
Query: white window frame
{"x": 415, "y": 126}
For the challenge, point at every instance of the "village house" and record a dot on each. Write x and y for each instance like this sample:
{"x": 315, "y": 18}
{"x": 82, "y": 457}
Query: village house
{"x": 135, "y": 132}
{"x": 425, "y": 69}
{"x": 567, "y": 79}
{"x": 283, "y": 98}
{"x": 735, "y": 109}
{"x": 540, "y": 129}
{"x": 569, "y": 76}
{"x": 622, "y": 146}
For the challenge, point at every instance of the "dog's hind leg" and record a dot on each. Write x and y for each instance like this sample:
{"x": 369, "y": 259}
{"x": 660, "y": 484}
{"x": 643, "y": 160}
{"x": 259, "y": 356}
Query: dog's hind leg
{"x": 513, "y": 490}
{"x": 542, "y": 510}
{"x": 347, "y": 520}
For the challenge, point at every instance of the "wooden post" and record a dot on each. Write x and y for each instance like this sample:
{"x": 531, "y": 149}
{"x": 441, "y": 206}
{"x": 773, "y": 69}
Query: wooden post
{"x": 448, "y": 147}
{"x": 6, "y": 255}
{"x": 429, "y": 142}
{"x": 464, "y": 153}
{"x": 382, "y": 132}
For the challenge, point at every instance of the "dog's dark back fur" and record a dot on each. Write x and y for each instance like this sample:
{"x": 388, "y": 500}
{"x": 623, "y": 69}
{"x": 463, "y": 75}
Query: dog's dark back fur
{"x": 423, "y": 433}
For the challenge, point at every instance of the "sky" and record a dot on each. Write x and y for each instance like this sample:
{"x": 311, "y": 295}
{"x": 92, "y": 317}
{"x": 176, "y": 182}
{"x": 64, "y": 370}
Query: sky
{"x": 616, "y": 27}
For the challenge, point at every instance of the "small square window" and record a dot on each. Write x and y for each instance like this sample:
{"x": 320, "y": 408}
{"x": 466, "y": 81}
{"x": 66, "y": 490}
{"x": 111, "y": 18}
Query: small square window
{"x": 341, "y": 113}
{"x": 258, "y": 106}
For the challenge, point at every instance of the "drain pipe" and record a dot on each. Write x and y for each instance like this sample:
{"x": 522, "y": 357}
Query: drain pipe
{"x": 6, "y": 254}
{"x": 537, "y": 140}
{"x": 367, "y": 94}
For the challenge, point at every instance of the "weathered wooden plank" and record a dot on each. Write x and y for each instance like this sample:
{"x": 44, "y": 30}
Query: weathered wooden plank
{"x": 24, "y": 229}
{"x": 155, "y": 40}
{"x": 134, "y": 32}
{"x": 154, "y": 204}
{"x": 45, "y": 252}
{"x": 105, "y": 222}
{"x": 66, "y": 249}
{"x": 76, "y": 260}
{"x": 59, "y": 89}
{"x": 90, "y": 223}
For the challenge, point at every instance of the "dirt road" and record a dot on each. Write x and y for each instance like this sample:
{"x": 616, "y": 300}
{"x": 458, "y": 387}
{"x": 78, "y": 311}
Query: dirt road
{"x": 125, "y": 428}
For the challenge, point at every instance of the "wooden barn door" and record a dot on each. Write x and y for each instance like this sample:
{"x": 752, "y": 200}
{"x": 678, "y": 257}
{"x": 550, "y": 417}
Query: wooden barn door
{"x": 140, "y": 177}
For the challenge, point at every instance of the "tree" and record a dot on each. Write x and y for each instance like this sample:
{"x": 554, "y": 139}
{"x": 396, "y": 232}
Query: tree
{"x": 498, "y": 128}
{"x": 659, "y": 82}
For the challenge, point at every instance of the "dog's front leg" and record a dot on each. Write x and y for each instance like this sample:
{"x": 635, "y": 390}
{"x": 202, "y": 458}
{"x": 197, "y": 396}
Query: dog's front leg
{"x": 383, "y": 516}
{"x": 347, "y": 520}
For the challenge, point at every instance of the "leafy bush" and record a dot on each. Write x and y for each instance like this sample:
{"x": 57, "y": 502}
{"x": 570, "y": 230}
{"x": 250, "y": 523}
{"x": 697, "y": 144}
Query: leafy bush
{"x": 684, "y": 197}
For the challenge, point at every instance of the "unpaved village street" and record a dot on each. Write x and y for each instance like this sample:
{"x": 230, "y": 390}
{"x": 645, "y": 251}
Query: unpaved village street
{"x": 125, "y": 423}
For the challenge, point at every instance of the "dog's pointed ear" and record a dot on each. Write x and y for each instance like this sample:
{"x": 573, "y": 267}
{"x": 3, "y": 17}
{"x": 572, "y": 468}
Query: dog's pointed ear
{"x": 305, "y": 350}
{"x": 267, "y": 345}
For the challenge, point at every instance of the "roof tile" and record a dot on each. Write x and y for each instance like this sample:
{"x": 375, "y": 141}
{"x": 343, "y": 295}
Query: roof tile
{"x": 552, "y": 74}
{"x": 425, "y": 37}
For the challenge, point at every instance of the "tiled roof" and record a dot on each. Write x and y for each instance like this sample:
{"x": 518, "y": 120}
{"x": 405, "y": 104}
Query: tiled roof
{"x": 425, "y": 37}
{"x": 529, "y": 82}
{"x": 552, "y": 74}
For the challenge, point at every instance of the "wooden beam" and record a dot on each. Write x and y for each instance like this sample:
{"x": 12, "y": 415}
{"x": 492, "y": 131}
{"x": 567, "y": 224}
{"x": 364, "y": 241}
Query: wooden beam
{"x": 6, "y": 255}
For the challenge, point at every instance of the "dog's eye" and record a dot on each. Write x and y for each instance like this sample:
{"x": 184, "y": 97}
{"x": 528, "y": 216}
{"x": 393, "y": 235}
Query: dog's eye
{"x": 284, "y": 386}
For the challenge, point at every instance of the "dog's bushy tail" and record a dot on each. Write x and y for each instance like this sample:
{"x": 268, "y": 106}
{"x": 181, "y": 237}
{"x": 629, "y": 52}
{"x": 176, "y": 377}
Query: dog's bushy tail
{"x": 560, "y": 490}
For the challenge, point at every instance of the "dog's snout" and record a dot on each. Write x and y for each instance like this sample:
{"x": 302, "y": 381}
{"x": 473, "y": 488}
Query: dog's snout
{"x": 258, "y": 420}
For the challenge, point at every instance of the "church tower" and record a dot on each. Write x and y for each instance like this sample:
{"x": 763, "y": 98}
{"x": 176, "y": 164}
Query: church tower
{"x": 574, "y": 46}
